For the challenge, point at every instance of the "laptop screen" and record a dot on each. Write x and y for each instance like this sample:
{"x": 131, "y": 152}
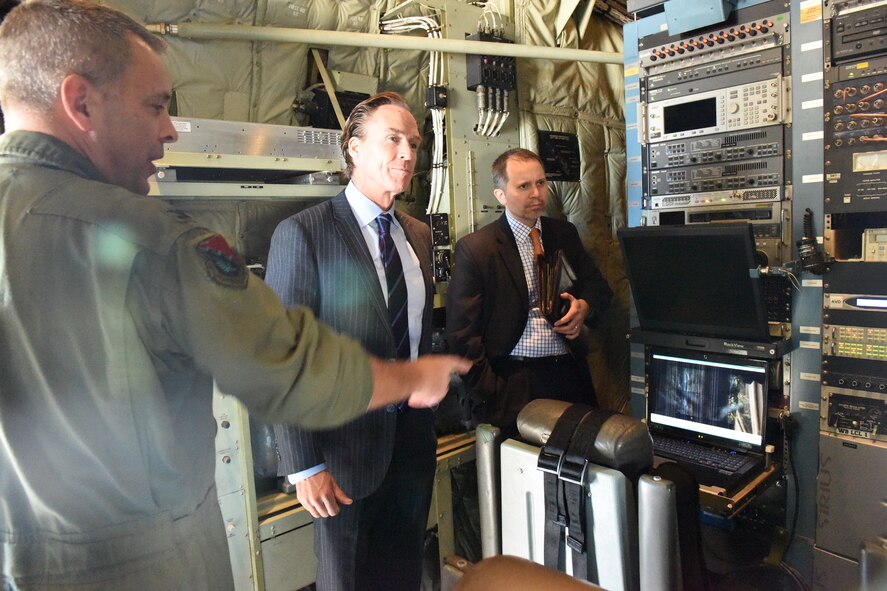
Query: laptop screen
{"x": 700, "y": 279}
{"x": 705, "y": 397}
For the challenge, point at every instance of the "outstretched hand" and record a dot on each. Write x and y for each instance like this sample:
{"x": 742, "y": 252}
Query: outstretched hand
{"x": 436, "y": 371}
{"x": 423, "y": 382}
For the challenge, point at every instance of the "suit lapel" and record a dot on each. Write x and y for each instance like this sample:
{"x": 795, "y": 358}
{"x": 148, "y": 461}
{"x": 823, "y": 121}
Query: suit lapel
{"x": 351, "y": 235}
{"x": 511, "y": 257}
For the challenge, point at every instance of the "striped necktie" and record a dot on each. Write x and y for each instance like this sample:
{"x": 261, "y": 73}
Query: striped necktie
{"x": 397, "y": 288}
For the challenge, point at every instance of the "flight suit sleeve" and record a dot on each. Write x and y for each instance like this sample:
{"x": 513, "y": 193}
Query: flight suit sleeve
{"x": 285, "y": 365}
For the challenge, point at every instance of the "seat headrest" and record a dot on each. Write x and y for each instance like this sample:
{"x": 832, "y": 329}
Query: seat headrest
{"x": 623, "y": 443}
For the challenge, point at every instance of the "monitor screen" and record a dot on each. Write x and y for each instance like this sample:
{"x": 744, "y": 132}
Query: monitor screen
{"x": 692, "y": 115}
{"x": 698, "y": 280}
{"x": 706, "y": 396}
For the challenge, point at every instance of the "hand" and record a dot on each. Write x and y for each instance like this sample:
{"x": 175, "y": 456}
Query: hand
{"x": 423, "y": 383}
{"x": 571, "y": 324}
{"x": 435, "y": 372}
{"x": 320, "y": 495}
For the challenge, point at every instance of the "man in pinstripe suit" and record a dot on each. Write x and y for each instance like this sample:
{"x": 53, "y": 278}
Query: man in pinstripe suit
{"x": 368, "y": 483}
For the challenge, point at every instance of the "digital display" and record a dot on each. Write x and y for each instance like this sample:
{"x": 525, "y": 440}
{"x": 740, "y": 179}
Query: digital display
{"x": 693, "y": 115}
{"x": 871, "y": 303}
{"x": 715, "y": 396}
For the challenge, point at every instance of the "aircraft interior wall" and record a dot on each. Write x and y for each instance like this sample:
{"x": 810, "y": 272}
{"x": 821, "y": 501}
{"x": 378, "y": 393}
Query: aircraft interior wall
{"x": 620, "y": 142}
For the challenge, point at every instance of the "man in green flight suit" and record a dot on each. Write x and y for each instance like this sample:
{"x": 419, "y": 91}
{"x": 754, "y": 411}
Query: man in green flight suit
{"x": 116, "y": 314}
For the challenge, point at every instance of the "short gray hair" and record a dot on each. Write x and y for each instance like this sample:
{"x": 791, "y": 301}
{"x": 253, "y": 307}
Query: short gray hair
{"x": 500, "y": 165}
{"x": 43, "y": 41}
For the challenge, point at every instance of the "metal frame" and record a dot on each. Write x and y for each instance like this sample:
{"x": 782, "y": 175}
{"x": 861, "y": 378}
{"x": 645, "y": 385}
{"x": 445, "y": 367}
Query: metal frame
{"x": 271, "y": 538}
{"x": 237, "y": 492}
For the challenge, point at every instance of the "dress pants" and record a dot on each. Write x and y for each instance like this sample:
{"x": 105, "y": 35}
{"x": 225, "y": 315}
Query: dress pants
{"x": 523, "y": 379}
{"x": 377, "y": 542}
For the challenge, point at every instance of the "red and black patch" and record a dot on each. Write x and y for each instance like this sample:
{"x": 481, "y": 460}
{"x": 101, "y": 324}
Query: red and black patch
{"x": 223, "y": 264}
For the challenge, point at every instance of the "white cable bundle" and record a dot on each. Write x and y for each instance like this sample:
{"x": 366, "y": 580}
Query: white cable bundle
{"x": 435, "y": 78}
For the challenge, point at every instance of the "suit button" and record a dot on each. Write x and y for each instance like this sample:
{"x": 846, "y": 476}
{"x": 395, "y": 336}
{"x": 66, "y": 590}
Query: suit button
{"x": 391, "y": 408}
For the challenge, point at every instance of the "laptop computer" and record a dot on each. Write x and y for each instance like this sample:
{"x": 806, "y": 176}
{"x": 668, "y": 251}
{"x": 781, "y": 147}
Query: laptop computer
{"x": 699, "y": 279}
{"x": 708, "y": 413}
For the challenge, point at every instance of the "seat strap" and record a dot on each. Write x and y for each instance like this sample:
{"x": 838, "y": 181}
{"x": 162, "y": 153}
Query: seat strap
{"x": 550, "y": 458}
{"x": 580, "y": 538}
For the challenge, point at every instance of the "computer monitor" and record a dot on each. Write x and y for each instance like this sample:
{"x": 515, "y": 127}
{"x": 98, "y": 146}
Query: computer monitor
{"x": 697, "y": 279}
{"x": 701, "y": 396}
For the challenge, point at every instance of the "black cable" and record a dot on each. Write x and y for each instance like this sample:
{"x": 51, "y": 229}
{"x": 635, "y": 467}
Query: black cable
{"x": 811, "y": 257}
{"x": 789, "y": 434}
{"x": 795, "y": 576}
{"x": 742, "y": 566}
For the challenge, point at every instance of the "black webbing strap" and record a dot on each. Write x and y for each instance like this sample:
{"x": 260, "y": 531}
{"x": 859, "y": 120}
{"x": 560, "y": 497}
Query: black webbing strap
{"x": 550, "y": 457}
{"x": 581, "y": 537}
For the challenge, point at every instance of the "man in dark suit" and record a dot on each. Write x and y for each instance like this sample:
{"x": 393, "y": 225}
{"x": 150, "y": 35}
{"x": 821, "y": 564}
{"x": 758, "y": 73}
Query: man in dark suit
{"x": 369, "y": 482}
{"x": 493, "y": 315}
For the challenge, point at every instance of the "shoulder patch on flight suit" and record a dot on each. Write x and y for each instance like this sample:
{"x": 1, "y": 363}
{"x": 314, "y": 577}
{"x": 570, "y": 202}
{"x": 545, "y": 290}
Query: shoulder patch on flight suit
{"x": 223, "y": 264}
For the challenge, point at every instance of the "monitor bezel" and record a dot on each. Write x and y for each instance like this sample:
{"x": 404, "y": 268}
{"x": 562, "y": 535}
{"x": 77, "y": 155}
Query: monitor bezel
{"x": 756, "y": 329}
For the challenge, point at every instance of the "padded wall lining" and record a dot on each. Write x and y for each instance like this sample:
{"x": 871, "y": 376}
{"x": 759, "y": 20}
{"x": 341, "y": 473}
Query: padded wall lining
{"x": 246, "y": 81}
{"x": 585, "y": 99}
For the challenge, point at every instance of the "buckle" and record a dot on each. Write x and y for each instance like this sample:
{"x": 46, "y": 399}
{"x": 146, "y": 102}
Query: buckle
{"x": 549, "y": 462}
{"x": 575, "y": 545}
{"x": 573, "y": 472}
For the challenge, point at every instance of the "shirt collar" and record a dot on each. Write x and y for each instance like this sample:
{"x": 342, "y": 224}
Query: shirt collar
{"x": 365, "y": 210}
{"x": 519, "y": 229}
{"x": 46, "y": 150}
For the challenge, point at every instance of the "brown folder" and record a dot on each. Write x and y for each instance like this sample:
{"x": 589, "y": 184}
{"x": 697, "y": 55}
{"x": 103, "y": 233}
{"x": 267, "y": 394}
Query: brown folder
{"x": 555, "y": 277}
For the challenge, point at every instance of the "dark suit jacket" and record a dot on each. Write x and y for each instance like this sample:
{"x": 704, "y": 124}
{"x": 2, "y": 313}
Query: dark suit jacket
{"x": 319, "y": 259}
{"x": 487, "y": 298}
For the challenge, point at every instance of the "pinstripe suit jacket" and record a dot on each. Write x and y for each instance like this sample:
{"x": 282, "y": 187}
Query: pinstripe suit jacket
{"x": 319, "y": 259}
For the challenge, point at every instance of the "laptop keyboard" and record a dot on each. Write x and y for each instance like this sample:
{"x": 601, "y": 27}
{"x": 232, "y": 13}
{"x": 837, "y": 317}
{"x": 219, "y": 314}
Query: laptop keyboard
{"x": 714, "y": 458}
